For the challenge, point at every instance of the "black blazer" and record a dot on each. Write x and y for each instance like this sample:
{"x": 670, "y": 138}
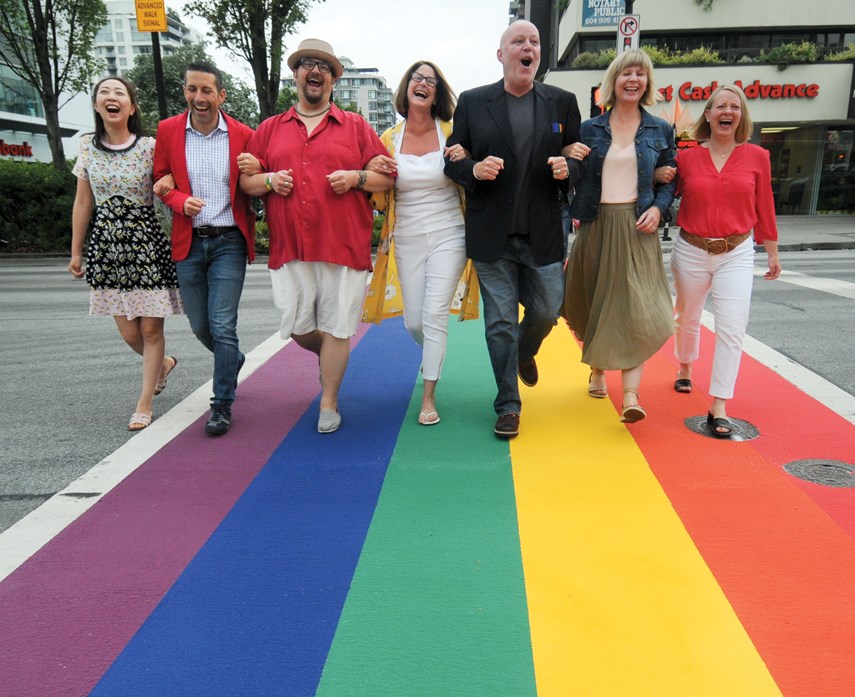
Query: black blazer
{"x": 482, "y": 126}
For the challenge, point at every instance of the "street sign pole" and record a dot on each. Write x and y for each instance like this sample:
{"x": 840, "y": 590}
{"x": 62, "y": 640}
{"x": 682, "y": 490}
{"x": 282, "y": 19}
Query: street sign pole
{"x": 158, "y": 75}
{"x": 151, "y": 17}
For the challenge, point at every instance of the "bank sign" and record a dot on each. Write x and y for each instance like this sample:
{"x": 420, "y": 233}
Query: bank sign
{"x": 602, "y": 13}
{"x": 15, "y": 149}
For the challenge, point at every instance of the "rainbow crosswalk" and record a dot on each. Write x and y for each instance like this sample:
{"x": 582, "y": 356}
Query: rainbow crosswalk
{"x": 584, "y": 558}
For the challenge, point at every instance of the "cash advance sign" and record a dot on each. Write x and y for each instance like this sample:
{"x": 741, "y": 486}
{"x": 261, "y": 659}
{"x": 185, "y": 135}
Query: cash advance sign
{"x": 689, "y": 92}
{"x": 602, "y": 13}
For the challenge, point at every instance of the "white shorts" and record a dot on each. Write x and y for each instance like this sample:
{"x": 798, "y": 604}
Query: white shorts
{"x": 317, "y": 295}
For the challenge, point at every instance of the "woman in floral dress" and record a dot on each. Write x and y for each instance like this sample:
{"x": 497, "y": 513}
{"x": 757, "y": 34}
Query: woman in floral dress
{"x": 128, "y": 263}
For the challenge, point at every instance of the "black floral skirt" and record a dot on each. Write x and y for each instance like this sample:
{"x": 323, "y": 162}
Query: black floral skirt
{"x": 129, "y": 263}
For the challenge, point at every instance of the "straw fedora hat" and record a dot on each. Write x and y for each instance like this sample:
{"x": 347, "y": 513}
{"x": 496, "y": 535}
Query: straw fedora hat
{"x": 315, "y": 48}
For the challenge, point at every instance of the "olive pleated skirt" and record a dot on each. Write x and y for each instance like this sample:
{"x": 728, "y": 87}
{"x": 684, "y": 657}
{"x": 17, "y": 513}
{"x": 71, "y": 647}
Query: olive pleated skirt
{"x": 616, "y": 295}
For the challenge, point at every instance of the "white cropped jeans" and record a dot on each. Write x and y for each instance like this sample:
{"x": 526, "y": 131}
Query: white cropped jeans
{"x": 730, "y": 277}
{"x": 429, "y": 269}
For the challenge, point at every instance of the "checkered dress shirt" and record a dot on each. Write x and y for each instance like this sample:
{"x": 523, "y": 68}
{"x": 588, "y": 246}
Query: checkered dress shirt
{"x": 208, "y": 169}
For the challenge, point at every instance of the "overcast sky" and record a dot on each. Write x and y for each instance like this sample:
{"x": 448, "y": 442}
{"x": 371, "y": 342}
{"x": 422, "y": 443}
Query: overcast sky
{"x": 460, "y": 36}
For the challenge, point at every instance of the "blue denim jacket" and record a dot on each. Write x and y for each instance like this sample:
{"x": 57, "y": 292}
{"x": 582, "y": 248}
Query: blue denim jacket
{"x": 654, "y": 147}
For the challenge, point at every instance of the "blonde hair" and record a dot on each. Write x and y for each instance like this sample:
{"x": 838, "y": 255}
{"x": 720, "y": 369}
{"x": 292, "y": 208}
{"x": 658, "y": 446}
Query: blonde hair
{"x": 628, "y": 59}
{"x": 700, "y": 129}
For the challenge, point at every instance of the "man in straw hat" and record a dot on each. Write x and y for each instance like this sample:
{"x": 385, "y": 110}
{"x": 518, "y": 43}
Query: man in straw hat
{"x": 315, "y": 186}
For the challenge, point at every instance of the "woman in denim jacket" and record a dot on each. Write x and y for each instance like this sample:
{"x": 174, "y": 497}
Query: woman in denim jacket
{"x": 617, "y": 299}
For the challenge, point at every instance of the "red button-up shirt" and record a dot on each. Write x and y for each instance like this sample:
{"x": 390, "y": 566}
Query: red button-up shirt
{"x": 730, "y": 202}
{"x": 313, "y": 223}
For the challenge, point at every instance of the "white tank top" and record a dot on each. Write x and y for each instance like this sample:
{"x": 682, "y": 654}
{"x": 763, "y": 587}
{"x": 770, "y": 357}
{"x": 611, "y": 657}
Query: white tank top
{"x": 620, "y": 178}
{"x": 425, "y": 199}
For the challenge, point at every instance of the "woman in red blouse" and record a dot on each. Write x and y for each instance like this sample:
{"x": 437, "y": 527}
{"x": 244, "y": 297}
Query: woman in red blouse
{"x": 726, "y": 185}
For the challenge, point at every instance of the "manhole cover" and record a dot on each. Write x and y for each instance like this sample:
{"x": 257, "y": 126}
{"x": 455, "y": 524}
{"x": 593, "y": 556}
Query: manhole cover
{"x": 742, "y": 430}
{"x": 825, "y": 472}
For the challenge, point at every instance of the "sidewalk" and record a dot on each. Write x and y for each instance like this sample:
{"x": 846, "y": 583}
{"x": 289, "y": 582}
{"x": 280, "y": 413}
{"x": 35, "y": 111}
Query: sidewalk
{"x": 585, "y": 557}
{"x": 799, "y": 233}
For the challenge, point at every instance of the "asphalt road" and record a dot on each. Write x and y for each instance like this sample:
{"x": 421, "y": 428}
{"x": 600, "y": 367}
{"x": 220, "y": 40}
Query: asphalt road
{"x": 70, "y": 383}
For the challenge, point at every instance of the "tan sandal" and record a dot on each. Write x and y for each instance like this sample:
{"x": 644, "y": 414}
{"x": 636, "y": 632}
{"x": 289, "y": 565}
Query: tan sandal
{"x": 139, "y": 421}
{"x": 634, "y": 412}
{"x": 161, "y": 383}
{"x": 596, "y": 392}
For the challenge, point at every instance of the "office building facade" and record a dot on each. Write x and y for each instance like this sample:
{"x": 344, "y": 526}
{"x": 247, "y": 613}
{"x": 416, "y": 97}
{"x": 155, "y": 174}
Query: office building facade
{"x": 804, "y": 114}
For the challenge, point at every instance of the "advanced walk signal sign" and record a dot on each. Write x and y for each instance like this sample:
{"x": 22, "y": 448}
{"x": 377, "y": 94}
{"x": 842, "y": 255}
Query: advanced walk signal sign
{"x": 151, "y": 15}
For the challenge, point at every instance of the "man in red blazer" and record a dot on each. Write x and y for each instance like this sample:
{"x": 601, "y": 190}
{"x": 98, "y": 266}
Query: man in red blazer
{"x": 213, "y": 225}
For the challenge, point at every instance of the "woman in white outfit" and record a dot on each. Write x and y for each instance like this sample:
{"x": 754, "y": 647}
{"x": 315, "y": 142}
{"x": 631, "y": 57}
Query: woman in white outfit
{"x": 726, "y": 185}
{"x": 425, "y": 214}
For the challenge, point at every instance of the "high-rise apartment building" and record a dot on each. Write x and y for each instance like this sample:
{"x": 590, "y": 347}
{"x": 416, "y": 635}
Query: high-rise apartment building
{"x": 119, "y": 43}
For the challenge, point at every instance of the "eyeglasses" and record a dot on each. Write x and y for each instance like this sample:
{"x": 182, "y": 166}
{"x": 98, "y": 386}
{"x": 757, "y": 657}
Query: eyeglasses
{"x": 430, "y": 81}
{"x": 310, "y": 64}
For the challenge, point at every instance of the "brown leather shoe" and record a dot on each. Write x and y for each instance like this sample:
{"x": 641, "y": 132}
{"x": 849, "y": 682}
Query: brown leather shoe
{"x": 528, "y": 372}
{"x": 507, "y": 425}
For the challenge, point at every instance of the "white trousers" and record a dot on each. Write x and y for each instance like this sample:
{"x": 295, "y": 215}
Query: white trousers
{"x": 730, "y": 277}
{"x": 429, "y": 269}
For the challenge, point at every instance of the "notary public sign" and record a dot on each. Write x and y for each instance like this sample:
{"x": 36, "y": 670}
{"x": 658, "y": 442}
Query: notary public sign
{"x": 602, "y": 13}
{"x": 151, "y": 15}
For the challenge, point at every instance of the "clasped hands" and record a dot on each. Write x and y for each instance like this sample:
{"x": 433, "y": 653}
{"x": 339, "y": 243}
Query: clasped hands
{"x": 383, "y": 164}
{"x": 489, "y": 168}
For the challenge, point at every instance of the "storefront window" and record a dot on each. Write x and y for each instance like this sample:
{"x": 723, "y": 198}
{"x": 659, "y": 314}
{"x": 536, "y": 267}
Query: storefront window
{"x": 18, "y": 96}
{"x": 837, "y": 178}
{"x": 794, "y": 155}
{"x": 813, "y": 169}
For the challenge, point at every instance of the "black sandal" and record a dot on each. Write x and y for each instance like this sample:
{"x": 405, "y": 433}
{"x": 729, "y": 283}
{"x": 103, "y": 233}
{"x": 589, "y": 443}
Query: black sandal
{"x": 683, "y": 385}
{"x": 716, "y": 422}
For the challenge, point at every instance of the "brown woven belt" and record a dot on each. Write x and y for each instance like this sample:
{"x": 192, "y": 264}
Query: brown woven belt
{"x": 716, "y": 245}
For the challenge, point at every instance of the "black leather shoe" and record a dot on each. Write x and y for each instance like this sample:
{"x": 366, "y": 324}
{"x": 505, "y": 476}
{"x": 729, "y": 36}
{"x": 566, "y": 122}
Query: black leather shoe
{"x": 528, "y": 372}
{"x": 507, "y": 425}
{"x": 219, "y": 421}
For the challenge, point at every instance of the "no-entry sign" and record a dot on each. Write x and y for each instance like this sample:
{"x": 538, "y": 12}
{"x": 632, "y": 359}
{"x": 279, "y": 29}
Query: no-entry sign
{"x": 629, "y": 27}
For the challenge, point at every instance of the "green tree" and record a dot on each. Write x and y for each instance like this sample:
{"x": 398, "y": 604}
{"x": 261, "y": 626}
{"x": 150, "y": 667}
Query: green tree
{"x": 254, "y": 30}
{"x": 286, "y": 99}
{"x": 239, "y": 103}
{"x": 348, "y": 106}
{"x": 49, "y": 43}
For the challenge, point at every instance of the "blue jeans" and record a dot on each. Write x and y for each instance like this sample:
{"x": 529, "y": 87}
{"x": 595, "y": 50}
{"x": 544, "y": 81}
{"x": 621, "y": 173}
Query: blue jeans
{"x": 211, "y": 281}
{"x": 505, "y": 284}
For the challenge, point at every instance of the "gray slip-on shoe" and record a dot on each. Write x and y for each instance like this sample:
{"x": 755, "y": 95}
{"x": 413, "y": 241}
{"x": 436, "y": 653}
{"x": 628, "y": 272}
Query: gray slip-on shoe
{"x": 328, "y": 421}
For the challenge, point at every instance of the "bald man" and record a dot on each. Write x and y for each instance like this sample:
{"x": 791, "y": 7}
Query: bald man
{"x": 518, "y": 133}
